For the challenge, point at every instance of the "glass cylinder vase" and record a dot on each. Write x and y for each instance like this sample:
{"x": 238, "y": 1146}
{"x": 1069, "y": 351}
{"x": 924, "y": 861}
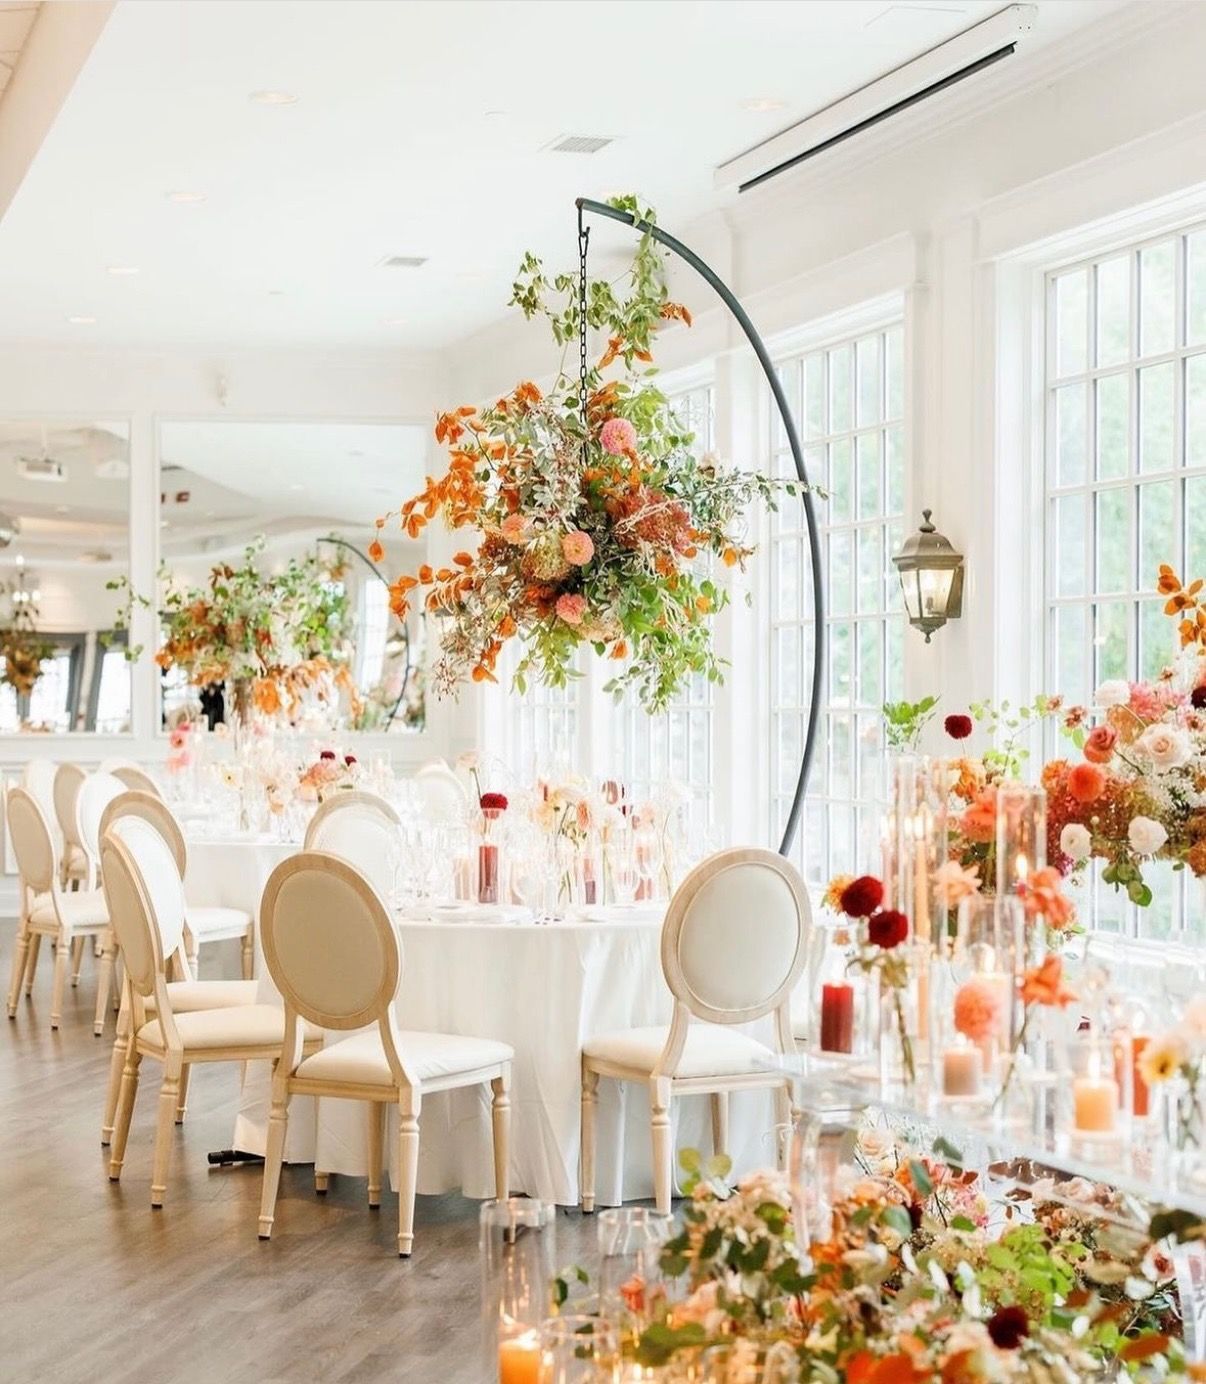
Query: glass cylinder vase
{"x": 489, "y": 856}
{"x": 517, "y": 1245}
{"x": 1021, "y": 840}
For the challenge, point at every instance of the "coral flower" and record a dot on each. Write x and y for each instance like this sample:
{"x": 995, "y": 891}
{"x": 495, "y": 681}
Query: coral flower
{"x": 979, "y": 822}
{"x": 1099, "y": 745}
{"x": 1045, "y": 984}
{"x": 514, "y": 528}
{"x": 577, "y": 547}
{"x": 1042, "y": 895}
{"x": 618, "y": 436}
{"x": 1086, "y": 782}
{"x": 571, "y": 609}
{"x": 977, "y": 1010}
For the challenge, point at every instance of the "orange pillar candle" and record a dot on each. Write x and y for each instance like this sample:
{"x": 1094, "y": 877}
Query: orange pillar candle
{"x": 519, "y": 1359}
{"x": 962, "y": 1067}
{"x": 1095, "y": 1103}
{"x": 1140, "y": 1094}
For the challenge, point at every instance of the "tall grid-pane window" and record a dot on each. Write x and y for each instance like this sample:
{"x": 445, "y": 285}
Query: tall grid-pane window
{"x": 675, "y": 746}
{"x": 541, "y": 723}
{"x": 848, "y": 398}
{"x": 1125, "y": 484}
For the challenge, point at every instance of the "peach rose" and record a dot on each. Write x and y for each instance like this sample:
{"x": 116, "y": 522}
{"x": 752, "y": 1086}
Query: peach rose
{"x": 571, "y": 609}
{"x": 577, "y": 547}
{"x": 979, "y": 822}
{"x": 1099, "y": 746}
{"x": 514, "y": 528}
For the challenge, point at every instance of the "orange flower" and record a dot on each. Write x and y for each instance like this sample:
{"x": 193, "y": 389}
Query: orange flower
{"x": 462, "y": 559}
{"x": 672, "y": 311}
{"x": 375, "y": 551}
{"x": 1045, "y": 984}
{"x": 482, "y": 674}
{"x": 703, "y": 604}
{"x": 1086, "y": 782}
{"x": 266, "y": 695}
{"x": 979, "y": 822}
{"x": 426, "y": 576}
{"x": 1042, "y": 895}
{"x": 619, "y": 649}
{"x": 507, "y": 627}
{"x": 1168, "y": 580}
{"x": 729, "y": 557}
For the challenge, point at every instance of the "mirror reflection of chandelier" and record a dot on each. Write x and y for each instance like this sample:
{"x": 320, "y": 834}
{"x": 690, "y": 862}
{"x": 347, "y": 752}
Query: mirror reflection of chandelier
{"x": 23, "y": 590}
{"x": 22, "y": 648}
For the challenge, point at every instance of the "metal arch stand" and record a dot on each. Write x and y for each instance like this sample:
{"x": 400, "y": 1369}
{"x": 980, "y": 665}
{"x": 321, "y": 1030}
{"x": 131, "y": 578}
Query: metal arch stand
{"x": 585, "y": 204}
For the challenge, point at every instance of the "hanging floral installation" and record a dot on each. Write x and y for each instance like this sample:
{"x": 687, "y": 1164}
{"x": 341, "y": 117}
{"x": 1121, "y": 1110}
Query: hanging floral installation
{"x": 593, "y": 519}
{"x": 273, "y": 636}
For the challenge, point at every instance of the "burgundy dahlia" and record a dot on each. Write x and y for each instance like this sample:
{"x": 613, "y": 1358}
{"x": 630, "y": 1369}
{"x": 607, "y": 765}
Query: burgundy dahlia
{"x": 862, "y": 896}
{"x": 1198, "y": 698}
{"x": 958, "y": 727}
{"x": 1008, "y": 1327}
{"x": 327, "y": 754}
{"x": 349, "y": 760}
{"x": 887, "y": 929}
{"x": 493, "y": 802}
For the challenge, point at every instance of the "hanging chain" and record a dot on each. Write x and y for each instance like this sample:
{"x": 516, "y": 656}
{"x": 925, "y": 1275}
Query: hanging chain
{"x": 583, "y": 242}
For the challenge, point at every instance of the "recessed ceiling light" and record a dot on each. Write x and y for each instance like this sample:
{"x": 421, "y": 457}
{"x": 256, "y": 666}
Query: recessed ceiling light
{"x": 763, "y": 103}
{"x": 186, "y": 198}
{"x": 122, "y": 271}
{"x": 273, "y": 98}
{"x": 295, "y": 486}
{"x": 276, "y": 293}
{"x": 494, "y": 115}
{"x": 395, "y": 321}
{"x": 82, "y": 321}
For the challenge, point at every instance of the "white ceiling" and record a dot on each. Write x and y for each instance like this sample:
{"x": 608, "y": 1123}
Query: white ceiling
{"x": 420, "y": 129}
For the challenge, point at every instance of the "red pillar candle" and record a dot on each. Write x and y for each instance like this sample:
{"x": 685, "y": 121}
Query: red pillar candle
{"x": 487, "y": 873}
{"x": 837, "y": 1017}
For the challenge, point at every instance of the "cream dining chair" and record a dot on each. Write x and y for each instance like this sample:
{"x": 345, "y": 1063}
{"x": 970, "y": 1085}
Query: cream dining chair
{"x": 46, "y": 908}
{"x": 73, "y": 863}
{"x": 333, "y": 952}
{"x": 186, "y": 993}
{"x": 733, "y": 948}
{"x": 38, "y": 777}
{"x": 96, "y": 793}
{"x": 146, "y": 901}
{"x": 364, "y": 830}
{"x": 134, "y": 778}
{"x": 203, "y": 923}
{"x": 441, "y": 794}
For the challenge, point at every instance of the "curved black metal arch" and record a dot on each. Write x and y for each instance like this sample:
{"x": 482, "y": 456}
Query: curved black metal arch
{"x": 585, "y": 204}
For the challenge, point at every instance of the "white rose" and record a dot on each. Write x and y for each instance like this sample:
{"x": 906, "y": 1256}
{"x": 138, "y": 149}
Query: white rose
{"x": 1195, "y": 1018}
{"x": 1164, "y": 746}
{"x": 1116, "y": 692}
{"x": 1146, "y": 837}
{"x": 1075, "y": 842}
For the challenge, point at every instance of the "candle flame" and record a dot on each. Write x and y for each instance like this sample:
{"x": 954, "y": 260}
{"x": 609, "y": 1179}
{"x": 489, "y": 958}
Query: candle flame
{"x": 1022, "y": 866}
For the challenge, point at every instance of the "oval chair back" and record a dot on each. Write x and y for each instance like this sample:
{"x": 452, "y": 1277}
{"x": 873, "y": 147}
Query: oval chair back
{"x": 146, "y": 901}
{"x": 96, "y": 793}
{"x": 138, "y": 779}
{"x": 33, "y": 843}
{"x": 68, "y": 781}
{"x": 39, "y": 776}
{"x": 330, "y": 944}
{"x": 362, "y": 829}
{"x": 151, "y": 808}
{"x": 735, "y": 940}
{"x": 442, "y": 795}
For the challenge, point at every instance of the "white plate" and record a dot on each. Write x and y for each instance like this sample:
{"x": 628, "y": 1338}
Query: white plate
{"x": 618, "y": 913}
{"x": 477, "y": 913}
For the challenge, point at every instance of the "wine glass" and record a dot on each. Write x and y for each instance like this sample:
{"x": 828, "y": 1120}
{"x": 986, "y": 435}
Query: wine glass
{"x": 621, "y": 865}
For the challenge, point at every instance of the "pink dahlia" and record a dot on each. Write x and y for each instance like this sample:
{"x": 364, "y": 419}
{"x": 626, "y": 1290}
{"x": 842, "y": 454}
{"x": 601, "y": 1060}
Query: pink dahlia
{"x": 618, "y": 436}
{"x": 571, "y": 609}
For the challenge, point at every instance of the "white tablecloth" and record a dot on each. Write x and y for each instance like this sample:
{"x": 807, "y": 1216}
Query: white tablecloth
{"x": 544, "y": 990}
{"x": 230, "y": 872}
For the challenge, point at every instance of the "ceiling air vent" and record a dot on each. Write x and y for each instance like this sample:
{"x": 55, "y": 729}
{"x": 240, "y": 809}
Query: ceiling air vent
{"x": 402, "y": 262}
{"x": 579, "y": 144}
{"x": 41, "y": 468}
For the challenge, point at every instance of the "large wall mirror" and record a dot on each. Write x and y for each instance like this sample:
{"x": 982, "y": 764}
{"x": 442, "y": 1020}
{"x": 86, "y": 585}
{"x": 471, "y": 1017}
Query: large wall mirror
{"x": 64, "y": 535}
{"x": 303, "y": 497}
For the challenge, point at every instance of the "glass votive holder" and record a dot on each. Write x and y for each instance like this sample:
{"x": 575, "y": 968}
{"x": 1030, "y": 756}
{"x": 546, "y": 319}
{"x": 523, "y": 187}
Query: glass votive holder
{"x": 630, "y": 1274}
{"x": 517, "y": 1246}
{"x": 577, "y": 1350}
{"x": 1098, "y": 1119}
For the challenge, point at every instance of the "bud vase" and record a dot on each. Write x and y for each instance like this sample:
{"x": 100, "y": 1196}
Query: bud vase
{"x": 489, "y": 875}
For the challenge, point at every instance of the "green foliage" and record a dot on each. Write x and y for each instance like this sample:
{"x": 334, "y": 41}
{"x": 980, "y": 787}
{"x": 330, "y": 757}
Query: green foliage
{"x": 904, "y": 722}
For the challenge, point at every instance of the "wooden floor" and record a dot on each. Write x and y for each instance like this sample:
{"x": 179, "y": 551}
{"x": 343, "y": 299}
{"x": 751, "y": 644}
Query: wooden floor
{"x": 96, "y": 1287}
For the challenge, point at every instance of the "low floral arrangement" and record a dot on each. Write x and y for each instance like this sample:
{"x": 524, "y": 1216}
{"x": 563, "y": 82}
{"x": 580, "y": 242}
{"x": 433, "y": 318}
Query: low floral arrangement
{"x": 278, "y": 635}
{"x": 914, "y": 1278}
{"x": 329, "y": 773}
{"x": 595, "y": 516}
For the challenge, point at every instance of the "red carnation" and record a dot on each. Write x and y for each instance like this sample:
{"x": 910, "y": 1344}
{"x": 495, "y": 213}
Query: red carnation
{"x": 349, "y": 760}
{"x": 862, "y": 896}
{"x": 887, "y": 929}
{"x": 327, "y": 754}
{"x": 493, "y": 802}
{"x": 1008, "y": 1328}
{"x": 1197, "y": 698}
{"x": 958, "y": 727}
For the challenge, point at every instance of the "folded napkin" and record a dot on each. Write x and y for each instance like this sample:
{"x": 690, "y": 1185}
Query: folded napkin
{"x": 465, "y": 912}
{"x": 618, "y": 913}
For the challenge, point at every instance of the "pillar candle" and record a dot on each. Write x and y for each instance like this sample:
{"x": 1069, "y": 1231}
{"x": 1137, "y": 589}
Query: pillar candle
{"x": 962, "y": 1067}
{"x": 1095, "y": 1102}
{"x": 519, "y": 1360}
{"x": 837, "y": 1017}
{"x": 487, "y": 873}
{"x": 1140, "y": 1094}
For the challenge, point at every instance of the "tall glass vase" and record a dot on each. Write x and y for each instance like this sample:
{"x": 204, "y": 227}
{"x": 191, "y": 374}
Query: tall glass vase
{"x": 489, "y": 852}
{"x": 517, "y": 1241}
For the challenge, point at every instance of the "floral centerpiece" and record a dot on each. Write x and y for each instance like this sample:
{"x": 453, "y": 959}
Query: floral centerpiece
{"x": 272, "y": 637}
{"x": 328, "y": 774}
{"x": 592, "y": 514}
{"x": 915, "y": 1279}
